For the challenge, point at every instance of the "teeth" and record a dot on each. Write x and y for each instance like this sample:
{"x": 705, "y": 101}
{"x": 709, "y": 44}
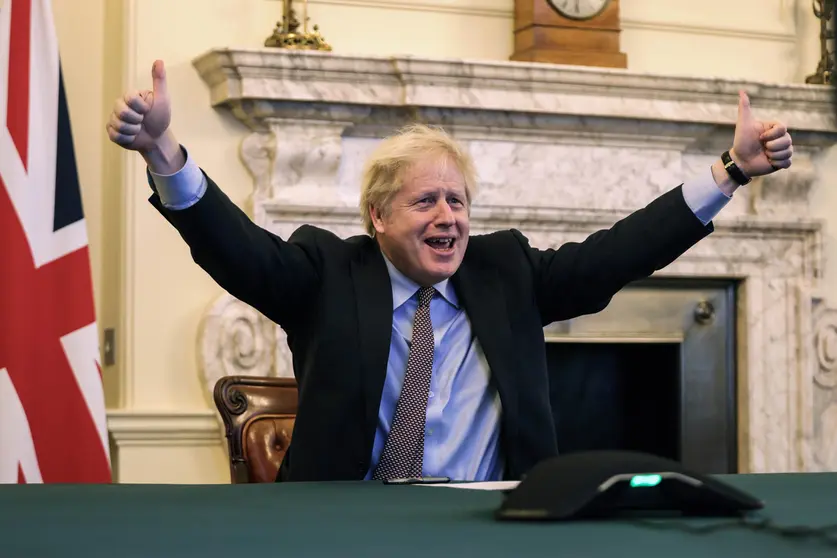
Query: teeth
{"x": 441, "y": 242}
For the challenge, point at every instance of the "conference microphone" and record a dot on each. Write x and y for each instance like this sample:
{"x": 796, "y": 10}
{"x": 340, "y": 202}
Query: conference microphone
{"x": 606, "y": 484}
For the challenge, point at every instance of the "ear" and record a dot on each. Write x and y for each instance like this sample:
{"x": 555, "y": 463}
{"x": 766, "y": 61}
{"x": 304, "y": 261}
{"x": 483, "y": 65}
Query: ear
{"x": 377, "y": 219}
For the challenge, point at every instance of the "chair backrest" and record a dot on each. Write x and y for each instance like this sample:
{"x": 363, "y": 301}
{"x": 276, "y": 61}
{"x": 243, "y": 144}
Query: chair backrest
{"x": 258, "y": 415}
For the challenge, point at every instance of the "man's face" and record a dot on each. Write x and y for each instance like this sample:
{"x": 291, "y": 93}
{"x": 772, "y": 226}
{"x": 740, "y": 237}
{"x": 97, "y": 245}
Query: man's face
{"x": 425, "y": 232}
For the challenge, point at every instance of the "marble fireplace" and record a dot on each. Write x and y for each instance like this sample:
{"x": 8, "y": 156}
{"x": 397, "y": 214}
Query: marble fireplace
{"x": 736, "y": 330}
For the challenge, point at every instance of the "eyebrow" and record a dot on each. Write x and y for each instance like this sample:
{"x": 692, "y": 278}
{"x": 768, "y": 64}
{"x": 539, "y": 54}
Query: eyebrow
{"x": 437, "y": 191}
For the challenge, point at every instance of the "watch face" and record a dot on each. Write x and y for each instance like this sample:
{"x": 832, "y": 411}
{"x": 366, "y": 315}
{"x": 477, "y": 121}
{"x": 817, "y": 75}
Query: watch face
{"x": 579, "y": 9}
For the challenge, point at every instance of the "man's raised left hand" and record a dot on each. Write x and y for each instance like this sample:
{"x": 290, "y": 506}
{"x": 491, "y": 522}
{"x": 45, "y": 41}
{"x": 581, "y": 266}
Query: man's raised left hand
{"x": 759, "y": 147}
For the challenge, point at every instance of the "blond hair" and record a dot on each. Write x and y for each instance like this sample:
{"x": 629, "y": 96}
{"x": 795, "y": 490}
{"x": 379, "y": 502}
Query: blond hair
{"x": 383, "y": 173}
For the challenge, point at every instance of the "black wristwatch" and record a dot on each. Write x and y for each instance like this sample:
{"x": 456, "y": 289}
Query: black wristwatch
{"x": 735, "y": 173}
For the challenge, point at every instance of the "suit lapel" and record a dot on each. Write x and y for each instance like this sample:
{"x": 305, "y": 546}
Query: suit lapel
{"x": 373, "y": 294}
{"x": 481, "y": 294}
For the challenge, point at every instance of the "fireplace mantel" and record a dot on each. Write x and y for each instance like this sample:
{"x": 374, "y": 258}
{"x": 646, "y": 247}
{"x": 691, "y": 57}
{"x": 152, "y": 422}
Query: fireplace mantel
{"x": 261, "y": 83}
{"x": 561, "y": 152}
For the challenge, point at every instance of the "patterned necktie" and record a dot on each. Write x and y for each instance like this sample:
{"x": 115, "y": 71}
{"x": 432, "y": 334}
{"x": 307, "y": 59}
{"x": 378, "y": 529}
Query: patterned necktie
{"x": 403, "y": 453}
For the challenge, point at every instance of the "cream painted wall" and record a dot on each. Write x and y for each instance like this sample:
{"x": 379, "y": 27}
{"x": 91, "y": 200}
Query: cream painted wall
{"x": 146, "y": 284}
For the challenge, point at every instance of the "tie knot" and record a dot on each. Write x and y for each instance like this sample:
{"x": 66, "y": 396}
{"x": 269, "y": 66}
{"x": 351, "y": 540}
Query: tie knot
{"x": 424, "y": 296}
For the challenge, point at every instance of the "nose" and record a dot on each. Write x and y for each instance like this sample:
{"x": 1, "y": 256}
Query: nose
{"x": 444, "y": 214}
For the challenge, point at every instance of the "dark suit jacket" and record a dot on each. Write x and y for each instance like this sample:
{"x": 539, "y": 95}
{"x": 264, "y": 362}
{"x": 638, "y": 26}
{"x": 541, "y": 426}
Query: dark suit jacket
{"x": 333, "y": 298}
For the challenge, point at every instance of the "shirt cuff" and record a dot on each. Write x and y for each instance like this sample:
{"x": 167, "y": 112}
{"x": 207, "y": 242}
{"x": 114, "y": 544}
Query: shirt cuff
{"x": 704, "y": 197}
{"x": 182, "y": 189}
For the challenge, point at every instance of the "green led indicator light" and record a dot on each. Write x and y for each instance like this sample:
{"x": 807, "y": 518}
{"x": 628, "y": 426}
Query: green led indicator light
{"x": 646, "y": 480}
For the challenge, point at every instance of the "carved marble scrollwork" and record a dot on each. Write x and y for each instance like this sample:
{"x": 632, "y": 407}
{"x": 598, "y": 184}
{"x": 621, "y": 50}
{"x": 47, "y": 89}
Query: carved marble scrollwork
{"x": 235, "y": 339}
{"x": 825, "y": 377}
{"x": 257, "y": 151}
{"x": 825, "y": 343}
{"x": 296, "y": 162}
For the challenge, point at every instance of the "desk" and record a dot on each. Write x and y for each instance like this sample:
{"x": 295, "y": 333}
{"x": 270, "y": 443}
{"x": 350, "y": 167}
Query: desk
{"x": 369, "y": 519}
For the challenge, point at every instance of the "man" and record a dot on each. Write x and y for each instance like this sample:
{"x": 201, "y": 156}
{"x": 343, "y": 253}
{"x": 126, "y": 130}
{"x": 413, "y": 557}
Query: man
{"x": 418, "y": 348}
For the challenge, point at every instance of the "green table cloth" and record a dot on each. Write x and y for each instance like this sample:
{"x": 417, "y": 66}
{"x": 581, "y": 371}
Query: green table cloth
{"x": 367, "y": 519}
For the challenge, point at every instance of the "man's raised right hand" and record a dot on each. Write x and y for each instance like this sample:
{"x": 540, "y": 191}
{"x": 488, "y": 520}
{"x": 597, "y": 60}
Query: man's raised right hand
{"x": 140, "y": 119}
{"x": 140, "y": 122}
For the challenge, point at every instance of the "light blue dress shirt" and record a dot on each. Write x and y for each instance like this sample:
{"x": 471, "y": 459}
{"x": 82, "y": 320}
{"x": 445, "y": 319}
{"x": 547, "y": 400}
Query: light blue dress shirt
{"x": 462, "y": 430}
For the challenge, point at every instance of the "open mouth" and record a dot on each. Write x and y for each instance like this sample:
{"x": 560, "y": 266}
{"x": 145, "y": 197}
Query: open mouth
{"x": 441, "y": 244}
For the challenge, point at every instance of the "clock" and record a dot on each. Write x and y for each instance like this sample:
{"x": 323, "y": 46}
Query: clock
{"x": 579, "y": 32}
{"x": 579, "y": 9}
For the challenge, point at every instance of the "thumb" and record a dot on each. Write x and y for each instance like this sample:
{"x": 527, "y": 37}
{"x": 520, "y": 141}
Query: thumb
{"x": 745, "y": 115}
{"x": 158, "y": 75}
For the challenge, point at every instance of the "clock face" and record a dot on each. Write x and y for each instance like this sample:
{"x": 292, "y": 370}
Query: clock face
{"x": 578, "y": 9}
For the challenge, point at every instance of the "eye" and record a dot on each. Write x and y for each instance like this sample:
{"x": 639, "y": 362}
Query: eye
{"x": 455, "y": 200}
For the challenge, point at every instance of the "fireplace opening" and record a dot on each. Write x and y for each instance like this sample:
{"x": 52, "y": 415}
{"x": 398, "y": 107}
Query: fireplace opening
{"x": 620, "y": 396}
{"x": 653, "y": 372}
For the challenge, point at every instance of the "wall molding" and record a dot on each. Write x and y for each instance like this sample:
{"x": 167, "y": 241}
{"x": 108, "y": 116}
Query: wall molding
{"x": 423, "y": 6}
{"x": 130, "y": 170}
{"x": 729, "y": 32}
{"x": 505, "y": 13}
{"x": 130, "y": 427}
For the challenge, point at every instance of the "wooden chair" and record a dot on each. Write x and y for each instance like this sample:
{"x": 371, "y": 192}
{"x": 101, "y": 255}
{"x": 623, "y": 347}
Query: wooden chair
{"x": 258, "y": 415}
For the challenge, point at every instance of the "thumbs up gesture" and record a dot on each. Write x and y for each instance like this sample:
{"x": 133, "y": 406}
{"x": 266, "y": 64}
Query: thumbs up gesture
{"x": 759, "y": 147}
{"x": 139, "y": 120}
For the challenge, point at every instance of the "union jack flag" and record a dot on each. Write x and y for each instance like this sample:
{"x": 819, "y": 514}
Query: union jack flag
{"x": 52, "y": 415}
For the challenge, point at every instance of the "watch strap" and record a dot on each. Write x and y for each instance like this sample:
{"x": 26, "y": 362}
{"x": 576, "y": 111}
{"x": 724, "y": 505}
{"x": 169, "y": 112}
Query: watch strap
{"x": 735, "y": 173}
